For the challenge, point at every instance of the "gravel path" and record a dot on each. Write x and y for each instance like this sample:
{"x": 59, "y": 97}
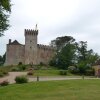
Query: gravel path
{"x": 12, "y": 76}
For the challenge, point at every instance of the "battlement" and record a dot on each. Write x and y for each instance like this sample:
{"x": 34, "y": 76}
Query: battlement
{"x": 31, "y": 32}
{"x": 45, "y": 47}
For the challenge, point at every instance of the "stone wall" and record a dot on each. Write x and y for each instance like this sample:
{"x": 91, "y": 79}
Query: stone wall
{"x": 15, "y": 54}
{"x": 31, "y": 46}
{"x": 45, "y": 54}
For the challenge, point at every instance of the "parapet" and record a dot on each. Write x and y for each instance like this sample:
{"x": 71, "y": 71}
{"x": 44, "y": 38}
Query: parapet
{"x": 45, "y": 47}
{"x": 31, "y": 32}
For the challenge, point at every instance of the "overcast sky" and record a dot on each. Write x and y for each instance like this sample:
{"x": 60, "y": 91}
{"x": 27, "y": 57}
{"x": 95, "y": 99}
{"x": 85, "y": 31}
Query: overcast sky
{"x": 77, "y": 18}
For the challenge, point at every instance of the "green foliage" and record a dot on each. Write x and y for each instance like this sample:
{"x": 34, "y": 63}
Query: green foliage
{"x": 3, "y": 73}
{"x": 71, "y": 53}
{"x": 63, "y": 72}
{"x": 60, "y": 42}
{"x": 19, "y": 68}
{"x": 22, "y": 67}
{"x": 90, "y": 72}
{"x": 82, "y": 67}
{"x": 21, "y": 79}
{"x": 4, "y": 83}
{"x": 15, "y": 69}
{"x": 2, "y": 59}
{"x": 65, "y": 53}
{"x": 65, "y": 57}
{"x": 5, "y": 9}
{"x": 73, "y": 70}
{"x": 84, "y": 55}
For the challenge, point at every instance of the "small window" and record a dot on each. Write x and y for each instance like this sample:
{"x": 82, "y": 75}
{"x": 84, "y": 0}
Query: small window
{"x": 30, "y": 47}
{"x": 30, "y": 41}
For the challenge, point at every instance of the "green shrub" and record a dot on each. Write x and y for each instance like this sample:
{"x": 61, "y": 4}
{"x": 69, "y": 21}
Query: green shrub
{"x": 90, "y": 72}
{"x": 4, "y": 83}
{"x": 22, "y": 67}
{"x": 63, "y": 72}
{"x": 73, "y": 70}
{"x": 5, "y": 72}
{"x": 15, "y": 69}
{"x": 1, "y": 74}
{"x": 21, "y": 79}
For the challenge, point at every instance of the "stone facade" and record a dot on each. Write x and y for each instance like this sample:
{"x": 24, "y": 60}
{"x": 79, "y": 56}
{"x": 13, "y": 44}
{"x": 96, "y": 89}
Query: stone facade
{"x": 30, "y": 53}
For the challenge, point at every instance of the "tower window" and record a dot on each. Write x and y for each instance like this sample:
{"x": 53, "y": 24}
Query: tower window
{"x": 30, "y": 47}
{"x": 30, "y": 41}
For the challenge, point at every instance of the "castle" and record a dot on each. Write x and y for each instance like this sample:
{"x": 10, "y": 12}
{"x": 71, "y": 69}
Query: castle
{"x": 30, "y": 53}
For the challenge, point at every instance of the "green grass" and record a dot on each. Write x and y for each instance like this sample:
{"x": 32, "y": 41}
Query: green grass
{"x": 53, "y": 90}
{"x": 50, "y": 72}
{"x": 41, "y": 72}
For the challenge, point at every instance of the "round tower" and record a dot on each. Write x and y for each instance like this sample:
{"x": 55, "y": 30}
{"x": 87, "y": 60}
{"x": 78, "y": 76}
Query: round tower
{"x": 31, "y": 46}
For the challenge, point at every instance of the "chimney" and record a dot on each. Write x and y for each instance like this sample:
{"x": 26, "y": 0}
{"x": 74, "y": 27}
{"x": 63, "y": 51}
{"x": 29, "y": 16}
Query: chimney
{"x": 9, "y": 41}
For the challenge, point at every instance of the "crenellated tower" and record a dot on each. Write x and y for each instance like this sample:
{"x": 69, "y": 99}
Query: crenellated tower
{"x": 31, "y": 46}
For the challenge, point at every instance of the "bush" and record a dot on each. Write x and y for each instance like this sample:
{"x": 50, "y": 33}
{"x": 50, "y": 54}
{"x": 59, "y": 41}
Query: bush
{"x": 19, "y": 68}
{"x": 21, "y": 79}
{"x": 15, "y": 69}
{"x": 5, "y": 72}
{"x": 4, "y": 83}
{"x": 1, "y": 74}
{"x": 90, "y": 72}
{"x": 63, "y": 72}
{"x": 30, "y": 73}
{"x": 22, "y": 67}
{"x": 73, "y": 69}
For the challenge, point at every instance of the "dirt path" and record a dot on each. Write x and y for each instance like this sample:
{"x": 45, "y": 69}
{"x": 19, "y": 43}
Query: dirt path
{"x": 12, "y": 76}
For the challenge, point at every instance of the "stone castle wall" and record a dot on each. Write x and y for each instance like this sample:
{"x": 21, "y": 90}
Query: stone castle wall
{"x": 45, "y": 53}
{"x": 30, "y": 53}
{"x": 31, "y": 46}
{"x": 15, "y": 54}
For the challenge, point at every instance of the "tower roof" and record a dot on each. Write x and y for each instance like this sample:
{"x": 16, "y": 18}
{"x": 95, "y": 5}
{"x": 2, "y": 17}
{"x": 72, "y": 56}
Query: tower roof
{"x": 15, "y": 43}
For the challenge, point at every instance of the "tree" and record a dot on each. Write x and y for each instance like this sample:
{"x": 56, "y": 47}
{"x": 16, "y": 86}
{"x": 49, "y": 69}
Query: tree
{"x": 65, "y": 53}
{"x": 60, "y": 42}
{"x": 5, "y": 9}
{"x": 85, "y": 58}
{"x": 65, "y": 57}
{"x": 2, "y": 59}
{"x": 81, "y": 50}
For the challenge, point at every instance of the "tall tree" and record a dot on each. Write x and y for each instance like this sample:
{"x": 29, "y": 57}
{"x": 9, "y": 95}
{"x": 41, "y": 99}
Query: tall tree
{"x": 60, "y": 42}
{"x": 85, "y": 58}
{"x": 5, "y": 9}
{"x": 2, "y": 59}
{"x": 81, "y": 50}
{"x": 65, "y": 51}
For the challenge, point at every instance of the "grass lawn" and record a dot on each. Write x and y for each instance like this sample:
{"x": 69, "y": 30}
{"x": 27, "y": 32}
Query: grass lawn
{"x": 53, "y": 90}
{"x": 49, "y": 72}
{"x": 46, "y": 72}
{"x": 40, "y": 72}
